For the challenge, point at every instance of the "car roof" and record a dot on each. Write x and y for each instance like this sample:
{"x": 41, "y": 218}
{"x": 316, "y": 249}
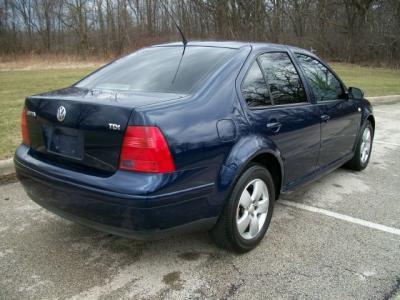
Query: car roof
{"x": 216, "y": 44}
{"x": 236, "y": 45}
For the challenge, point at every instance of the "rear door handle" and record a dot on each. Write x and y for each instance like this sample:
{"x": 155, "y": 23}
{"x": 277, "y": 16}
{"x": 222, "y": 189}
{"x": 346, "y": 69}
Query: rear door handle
{"x": 274, "y": 126}
{"x": 325, "y": 118}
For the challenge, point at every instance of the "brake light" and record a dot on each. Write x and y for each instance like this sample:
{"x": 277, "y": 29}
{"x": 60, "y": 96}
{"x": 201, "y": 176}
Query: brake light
{"x": 24, "y": 129}
{"x": 144, "y": 149}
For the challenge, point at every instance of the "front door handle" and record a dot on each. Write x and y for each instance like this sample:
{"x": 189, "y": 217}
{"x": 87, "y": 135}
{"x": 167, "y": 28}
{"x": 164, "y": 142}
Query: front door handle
{"x": 274, "y": 126}
{"x": 325, "y": 118}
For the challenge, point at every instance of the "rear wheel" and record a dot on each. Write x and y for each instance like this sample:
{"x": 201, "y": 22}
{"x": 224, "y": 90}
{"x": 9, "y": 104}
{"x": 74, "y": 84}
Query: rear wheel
{"x": 362, "y": 154}
{"x": 247, "y": 214}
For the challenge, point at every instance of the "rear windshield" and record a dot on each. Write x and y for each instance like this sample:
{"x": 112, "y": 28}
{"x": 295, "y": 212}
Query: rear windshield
{"x": 159, "y": 69}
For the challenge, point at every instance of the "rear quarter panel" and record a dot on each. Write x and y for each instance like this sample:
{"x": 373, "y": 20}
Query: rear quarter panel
{"x": 190, "y": 126}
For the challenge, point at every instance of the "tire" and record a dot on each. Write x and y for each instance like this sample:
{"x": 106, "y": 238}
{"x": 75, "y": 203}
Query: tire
{"x": 359, "y": 161}
{"x": 239, "y": 208}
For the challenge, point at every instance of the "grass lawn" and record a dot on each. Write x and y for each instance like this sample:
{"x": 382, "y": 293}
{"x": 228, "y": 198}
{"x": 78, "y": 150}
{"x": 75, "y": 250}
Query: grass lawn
{"x": 16, "y": 85}
{"x": 374, "y": 81}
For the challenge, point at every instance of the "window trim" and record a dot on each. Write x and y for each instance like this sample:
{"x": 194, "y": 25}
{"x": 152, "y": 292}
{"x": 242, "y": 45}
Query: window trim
{"x": 273, "y": 105}
{"x": 342, "y": 85}
{"x": 266, "y": 81}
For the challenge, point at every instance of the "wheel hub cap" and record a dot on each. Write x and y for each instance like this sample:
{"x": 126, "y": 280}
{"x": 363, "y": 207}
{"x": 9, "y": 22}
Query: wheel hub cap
{"x": 251, "y": 209}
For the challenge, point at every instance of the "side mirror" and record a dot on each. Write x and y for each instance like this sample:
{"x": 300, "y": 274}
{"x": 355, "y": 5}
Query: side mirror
{"x": 355, "y": 93}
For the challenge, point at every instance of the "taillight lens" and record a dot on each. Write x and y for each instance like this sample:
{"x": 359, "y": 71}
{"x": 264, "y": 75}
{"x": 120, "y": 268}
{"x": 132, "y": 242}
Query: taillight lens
{"x": 24, "y": 129}
{"x": 144, "y": 149}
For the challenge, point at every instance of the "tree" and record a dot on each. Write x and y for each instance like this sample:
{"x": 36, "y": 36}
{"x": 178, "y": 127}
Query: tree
{"x": 348, "y": 30}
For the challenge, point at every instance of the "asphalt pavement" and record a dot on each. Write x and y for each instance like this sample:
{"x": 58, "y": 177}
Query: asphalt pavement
{"x": 337, "y": 238}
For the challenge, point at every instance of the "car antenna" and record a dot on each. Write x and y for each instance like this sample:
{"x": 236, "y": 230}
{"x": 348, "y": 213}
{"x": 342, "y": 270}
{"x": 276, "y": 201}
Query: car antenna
{"x": 184, "y": 41}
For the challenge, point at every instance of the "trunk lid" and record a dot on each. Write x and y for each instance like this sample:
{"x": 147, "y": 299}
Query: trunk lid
{"x": 83, "y": 129}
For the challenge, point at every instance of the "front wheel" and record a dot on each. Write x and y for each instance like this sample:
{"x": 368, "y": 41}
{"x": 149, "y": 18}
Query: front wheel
{"x": 363, "y": 149}
{"x": 247, "y": 214}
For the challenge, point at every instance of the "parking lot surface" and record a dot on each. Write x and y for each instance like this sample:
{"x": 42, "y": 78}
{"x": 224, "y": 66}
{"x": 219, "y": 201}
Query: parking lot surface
{"x": 349, "y": 247}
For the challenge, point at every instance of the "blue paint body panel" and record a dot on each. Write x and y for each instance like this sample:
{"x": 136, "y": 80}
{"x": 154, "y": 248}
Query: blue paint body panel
{"x": 212, "y": 136}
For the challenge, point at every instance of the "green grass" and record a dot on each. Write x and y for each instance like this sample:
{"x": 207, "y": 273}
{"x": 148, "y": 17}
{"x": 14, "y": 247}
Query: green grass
{"x": 373, "y": 81}
{"x": 16, "y": 85}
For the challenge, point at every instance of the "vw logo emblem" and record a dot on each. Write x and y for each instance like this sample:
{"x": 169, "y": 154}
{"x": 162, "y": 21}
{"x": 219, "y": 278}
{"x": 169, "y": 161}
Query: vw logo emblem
{"x": 61, "y": 112}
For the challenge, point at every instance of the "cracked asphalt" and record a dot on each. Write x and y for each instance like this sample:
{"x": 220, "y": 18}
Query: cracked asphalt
{"x": 304, "y": 254}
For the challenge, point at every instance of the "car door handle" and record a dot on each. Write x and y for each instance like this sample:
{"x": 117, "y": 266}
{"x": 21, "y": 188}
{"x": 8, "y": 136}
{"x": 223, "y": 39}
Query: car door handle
{"x": 275, "y": 126}
{"x": 325, "y": 118}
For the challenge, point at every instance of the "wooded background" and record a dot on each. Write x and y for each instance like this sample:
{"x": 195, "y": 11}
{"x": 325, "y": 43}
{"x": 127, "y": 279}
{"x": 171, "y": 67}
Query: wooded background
{"x": 356, "y": 31}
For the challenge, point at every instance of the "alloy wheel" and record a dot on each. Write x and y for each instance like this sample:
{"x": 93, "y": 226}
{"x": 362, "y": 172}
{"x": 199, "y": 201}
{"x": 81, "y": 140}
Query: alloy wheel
{"x": 252, "y": 209}
{"x": 366, "y": 142}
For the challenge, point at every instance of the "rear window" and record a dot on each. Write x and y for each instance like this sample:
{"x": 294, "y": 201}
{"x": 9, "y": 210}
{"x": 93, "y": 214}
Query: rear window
{"x": 159, "y": 69}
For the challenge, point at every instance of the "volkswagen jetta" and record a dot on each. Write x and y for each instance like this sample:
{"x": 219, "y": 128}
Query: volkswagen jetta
{"x": 178, "y": 138}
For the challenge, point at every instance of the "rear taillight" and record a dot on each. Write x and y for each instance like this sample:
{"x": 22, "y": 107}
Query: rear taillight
{"x": 144, "y": 149}
{"x": 24, "y": 129}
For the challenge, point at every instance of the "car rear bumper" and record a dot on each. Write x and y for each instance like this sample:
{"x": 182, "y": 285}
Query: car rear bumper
{"x": 148, "y": 216}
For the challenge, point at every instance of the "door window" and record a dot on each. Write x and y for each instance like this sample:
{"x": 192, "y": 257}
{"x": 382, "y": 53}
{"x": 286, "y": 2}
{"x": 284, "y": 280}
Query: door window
{"x": 284, "y": 82}
{"x": 323, "y": 83}
{"x": 254, "y": 88}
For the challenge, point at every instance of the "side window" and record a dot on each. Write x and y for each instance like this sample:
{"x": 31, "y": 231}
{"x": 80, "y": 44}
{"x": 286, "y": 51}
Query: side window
{"x": 254, "y": 88}
{"x": 283, "y": 80}
{"x": 323, "y": 83}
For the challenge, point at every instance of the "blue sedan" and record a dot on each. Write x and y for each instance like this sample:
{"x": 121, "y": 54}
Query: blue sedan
{"x": 205, "y": 136}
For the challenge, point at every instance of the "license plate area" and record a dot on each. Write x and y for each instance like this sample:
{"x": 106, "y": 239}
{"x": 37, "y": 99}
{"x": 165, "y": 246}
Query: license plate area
{"x": 67, "y": 142}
